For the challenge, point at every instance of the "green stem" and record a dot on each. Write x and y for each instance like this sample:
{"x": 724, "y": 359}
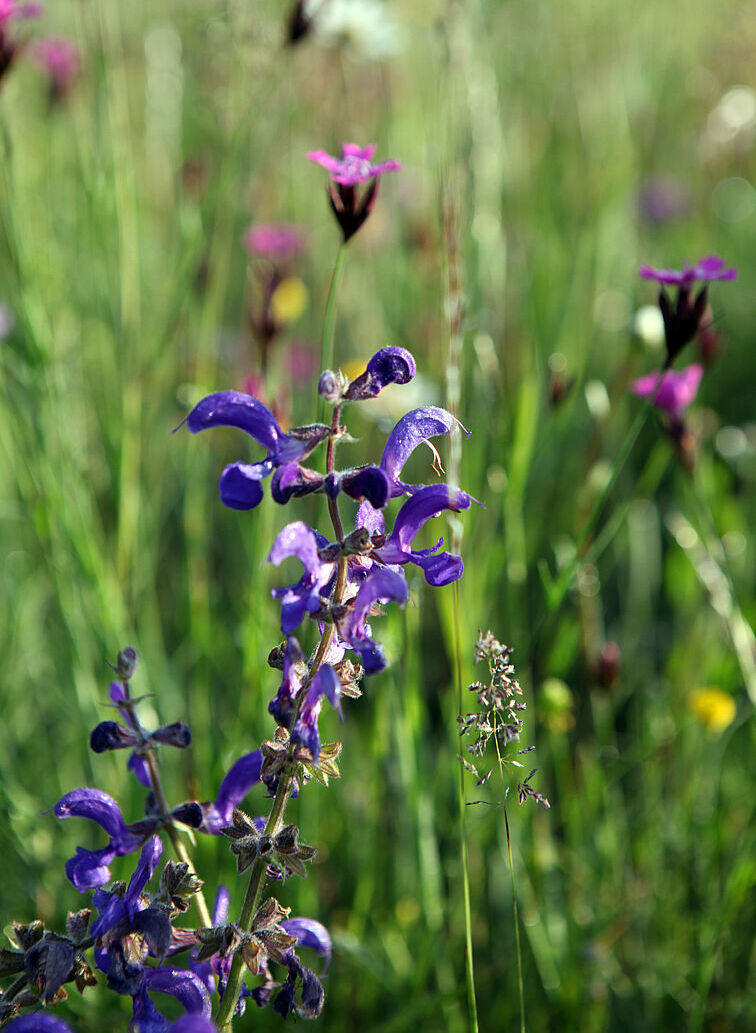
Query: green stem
{"x": 157, "y": 787}
{"x": 518, "y": 947}
{"x": 329, "y": 317}
{"x": 256, "y": 882}
{"x": 472, "y": 1004}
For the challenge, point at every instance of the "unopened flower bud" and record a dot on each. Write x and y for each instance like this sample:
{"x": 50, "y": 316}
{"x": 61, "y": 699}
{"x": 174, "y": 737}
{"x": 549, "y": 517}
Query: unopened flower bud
{"x": 126, "y": 662}
{"x": 329, "y": 387}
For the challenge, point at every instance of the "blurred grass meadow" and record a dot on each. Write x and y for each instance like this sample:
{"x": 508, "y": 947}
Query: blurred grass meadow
{"x": 548, "y": 150}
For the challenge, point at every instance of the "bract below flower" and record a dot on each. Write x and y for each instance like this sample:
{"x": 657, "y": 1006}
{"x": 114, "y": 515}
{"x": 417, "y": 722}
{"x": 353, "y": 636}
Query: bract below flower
{"x": 678, "y": 388}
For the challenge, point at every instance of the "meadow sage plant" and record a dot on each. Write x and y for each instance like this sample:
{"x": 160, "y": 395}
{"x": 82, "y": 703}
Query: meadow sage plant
{"x": 133, "y": 934}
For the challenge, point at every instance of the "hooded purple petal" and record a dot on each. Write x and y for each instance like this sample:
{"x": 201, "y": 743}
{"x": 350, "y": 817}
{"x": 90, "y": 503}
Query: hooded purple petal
{"x": 95, "y": 805}
{"x": 220, "y": 906}
{"x": 140, "y": 769}
{"x": 310, "y": 933}
{"x": 388, "y": 366}
{"x": 415, "y": 427}
{"x": 181, "y": 983}
{"x": 239, "y": 484}
{"x": 304, "y": 597}
{"x": 380, "y": 583}
{"x": 325, "y": 683}
{"x": 243, "y": 775}
{"x": 425, "y": 504}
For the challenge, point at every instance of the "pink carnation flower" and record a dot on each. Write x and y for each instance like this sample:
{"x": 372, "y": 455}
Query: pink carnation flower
{"x": 709, "y": 268}
{"x": 10, "y": 9}
{"x": 677, "y": 391}
{"x": 280, "y": 242}
{"x": 60, "y": 59}
{"x": 355, "y": 164}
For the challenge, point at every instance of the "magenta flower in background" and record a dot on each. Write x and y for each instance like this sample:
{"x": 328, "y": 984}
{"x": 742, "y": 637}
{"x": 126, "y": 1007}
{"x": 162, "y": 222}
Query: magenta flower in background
{"x": 10, "y": 9}
{"x": 355, "y": 164}
{"x": 354, "y": 167}
{"x": 59, "y": 58}
{"x": 709, "y": 268}
{"x": 678, "y": 388}
{"x": 280, "y": 242}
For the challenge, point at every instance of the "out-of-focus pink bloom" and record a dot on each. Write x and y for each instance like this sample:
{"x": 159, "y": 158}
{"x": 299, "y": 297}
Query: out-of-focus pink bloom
{"x": 662, "y": 199}
{"x": 60, "y": 59}
{"x": 709, "y": 268}
{"x": 301, "y": 361}
{"x": 677, "y": 391}
{"x": 355, "y": 164}
{"x": 279, "y": 242}
{"x": 10, "y": 9}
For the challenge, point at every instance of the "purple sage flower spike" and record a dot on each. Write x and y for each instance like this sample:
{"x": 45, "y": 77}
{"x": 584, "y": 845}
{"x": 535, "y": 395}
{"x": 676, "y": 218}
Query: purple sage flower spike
{"x": 415, "y": 427}
{"x": 310, "y": 933}
{"x": 439, "y": 568}
{"x": 239, "y": 484}
{"x": 678, "y": 388}
{"x": 305, "y": 732}
{"x": 706, "y": 269}
{"x": 388, "y": 366}
{"x": 353, "y": 629}
{"x": 297, "y": 539}
{"x": 244, "y": 774}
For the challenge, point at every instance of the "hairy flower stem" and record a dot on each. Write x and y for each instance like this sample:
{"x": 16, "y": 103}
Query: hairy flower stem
{"x": 256, "y": 882}
{"x": 329, "y": 318}
{"x": 157, "y": 787}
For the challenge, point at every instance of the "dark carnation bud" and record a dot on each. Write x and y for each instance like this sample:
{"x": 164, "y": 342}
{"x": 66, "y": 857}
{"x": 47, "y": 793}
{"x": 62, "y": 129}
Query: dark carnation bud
{"x": 609, "y": 662}
{"x": 330, "y": 386}
{"x": 176, "y": 734}
{"x": 109, "y": 735}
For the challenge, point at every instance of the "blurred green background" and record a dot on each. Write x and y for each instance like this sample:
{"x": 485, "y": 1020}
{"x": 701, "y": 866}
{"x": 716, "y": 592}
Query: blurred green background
{"x": 533, "y": 137}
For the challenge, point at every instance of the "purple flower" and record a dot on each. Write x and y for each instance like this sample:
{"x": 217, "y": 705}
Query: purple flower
{"x": 280, "y": 242}
{"x": 11, "y": 9}
{"x": 182, "y": 984}
{"x": 355, "y": 164}
{"x": 298, "y": 540}
{"x": 388, "y": 366}
{"x": 412, "y": 430}
{"x": 709, "y": 268}
{"x": 310, "y": 933}
{"x": 39, "y": 1022}
{"x": 240, "y": 482}
{"x": 244, "y": 774}
{"x": 284, "y": 706}
{"x": 120, "y": 916}
{"x": 89, "y": 868}
{"x": 678, "y": 388}
{"x": 353, "y": 168}
{"x": 439, "y": 568}
{"x": 305, "y": 732}
{"x": 353, "y": 629}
